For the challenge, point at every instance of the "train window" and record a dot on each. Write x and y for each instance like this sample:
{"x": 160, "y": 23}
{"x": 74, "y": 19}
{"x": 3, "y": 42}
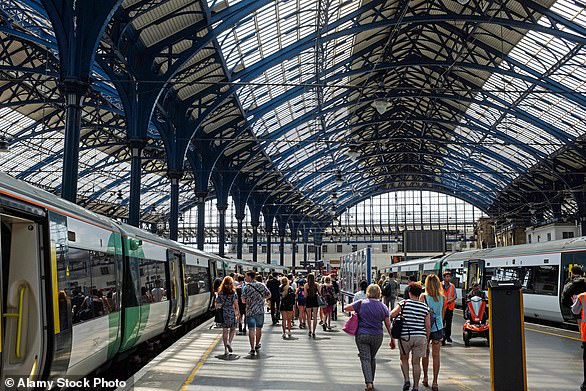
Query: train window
{"x": 196, "y": 279}
{"x": 458, "y": 278}
{"x": 93, "y": 292}
{"x": 523, "y": 274}
{"x": 153, "y": 281}
{"x": 545, "y": 280}
{"x": 103, "y": 273}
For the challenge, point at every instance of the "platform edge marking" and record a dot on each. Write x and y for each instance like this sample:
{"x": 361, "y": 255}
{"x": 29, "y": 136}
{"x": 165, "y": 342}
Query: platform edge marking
{"x": 553, "y": 334}
{"x": 200, "y": 364}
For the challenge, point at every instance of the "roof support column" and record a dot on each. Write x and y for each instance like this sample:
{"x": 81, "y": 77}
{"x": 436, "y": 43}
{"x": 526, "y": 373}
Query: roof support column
{"x": 268, "y": 220}
{"x": 255, "y": 241}
{"x": 239, "y": 222}
{"x": 136, "y": 147}
{"x": 269, "y": 245}
{"x": 175, "y": 177}
{"x": 305, "y": 237}
{"x": 222, "y": 207}
{"x": 317, "y": 242}
{"x": 74, "y": 91}
{"x": 294, "y": 226}
{"x": 201, "y": 218}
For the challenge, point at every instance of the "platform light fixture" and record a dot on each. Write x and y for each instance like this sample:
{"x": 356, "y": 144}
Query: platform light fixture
{"x": 463, "y": 2}
{"x": 380, "y": 105}
{"x": 334, "y": 196}
{"x": 119, "y": 195}
{"x": 353, "y": 152}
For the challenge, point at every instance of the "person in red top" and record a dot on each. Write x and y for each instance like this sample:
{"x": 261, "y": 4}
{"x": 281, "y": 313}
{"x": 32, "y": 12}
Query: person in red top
{"x": 579, "y": 308}
{"x": 450, "y": 304}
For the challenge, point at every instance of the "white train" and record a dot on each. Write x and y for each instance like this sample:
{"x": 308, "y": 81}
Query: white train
{"x": 78, "y": 290}
{"x": 542, "y": 268}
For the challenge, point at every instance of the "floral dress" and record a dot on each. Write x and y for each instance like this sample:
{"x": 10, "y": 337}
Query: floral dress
{"x": 227, "y": 303}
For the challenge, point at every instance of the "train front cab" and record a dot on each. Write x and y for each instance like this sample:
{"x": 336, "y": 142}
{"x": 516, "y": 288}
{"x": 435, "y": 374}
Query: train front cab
{"x": 24, "y": 321}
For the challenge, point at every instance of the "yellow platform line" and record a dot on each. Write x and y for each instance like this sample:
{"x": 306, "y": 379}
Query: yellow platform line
{"x": 461, "y": 385}
{"x": 200, "y": 363}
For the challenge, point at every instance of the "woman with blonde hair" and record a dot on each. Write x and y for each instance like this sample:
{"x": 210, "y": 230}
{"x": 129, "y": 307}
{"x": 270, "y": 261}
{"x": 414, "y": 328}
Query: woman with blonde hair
{"x": 434, "y": 298}
{"x": 227, "y": 302}
{"x": 286, "y": 306}
{"x": 369, "y": 336}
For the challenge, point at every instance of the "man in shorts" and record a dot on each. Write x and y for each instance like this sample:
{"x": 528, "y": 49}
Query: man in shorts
{"x": 414, "y": 335}
{"x": 254, "y": 295}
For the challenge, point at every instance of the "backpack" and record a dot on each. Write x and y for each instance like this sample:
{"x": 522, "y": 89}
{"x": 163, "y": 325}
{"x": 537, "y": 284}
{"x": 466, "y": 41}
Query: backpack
{"x": 328, "y": 294}
{"x": 289, "y": 299}
{"x": 300, "y": 294}
{"x": 387, "y": 291}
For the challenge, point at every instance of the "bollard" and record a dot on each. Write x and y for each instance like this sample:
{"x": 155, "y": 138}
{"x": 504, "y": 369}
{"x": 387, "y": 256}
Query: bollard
{"x": 508, "y": 371}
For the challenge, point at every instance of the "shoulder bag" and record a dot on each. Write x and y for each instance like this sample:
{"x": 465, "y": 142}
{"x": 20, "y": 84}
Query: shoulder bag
{"x": 351, "y": 326}
{"x": 397, "y": 324}
{"x": 219, "y": 317}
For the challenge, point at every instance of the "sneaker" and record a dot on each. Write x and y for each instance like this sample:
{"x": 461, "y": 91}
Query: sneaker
{"x": 321, "y": 322}
{"x": 252, "y": 352}
{"x": 289, "y": 334}
{"x": 406, "y": 386}
{"x": 449, "y": 340}
{"x": 257, "y": 347}
{"x": 229, "y": 348}
{"x": 283, "y": 335}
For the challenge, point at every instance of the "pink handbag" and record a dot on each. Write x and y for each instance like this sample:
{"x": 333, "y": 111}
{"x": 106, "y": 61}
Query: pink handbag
{"x": 351, "y": 326}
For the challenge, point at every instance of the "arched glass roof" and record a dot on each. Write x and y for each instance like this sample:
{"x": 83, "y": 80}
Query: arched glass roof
{"x": 293, "y": 101}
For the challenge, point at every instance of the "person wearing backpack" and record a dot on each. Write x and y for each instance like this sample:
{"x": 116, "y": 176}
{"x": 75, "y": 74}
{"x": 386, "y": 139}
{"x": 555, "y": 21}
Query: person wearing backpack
{"x": 328, "y": 294}
{"x": 573, "y": 287}
{"x": 337, "y": 294}
{"x": 434, "y": 298}
{"x": 287, "y": 295}
{"x": 390, "y": 289}
{"x": 300, "y": 299}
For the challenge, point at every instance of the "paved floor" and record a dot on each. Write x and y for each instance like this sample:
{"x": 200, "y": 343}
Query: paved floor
{"x": 330, "y": 362}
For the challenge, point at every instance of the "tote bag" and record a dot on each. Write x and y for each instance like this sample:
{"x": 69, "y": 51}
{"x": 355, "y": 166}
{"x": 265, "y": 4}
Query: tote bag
{"x": 351, "y": 326}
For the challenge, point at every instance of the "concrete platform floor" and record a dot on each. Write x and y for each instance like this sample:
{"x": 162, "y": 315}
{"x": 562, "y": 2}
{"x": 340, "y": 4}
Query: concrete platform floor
{"x": 330, "y": 362}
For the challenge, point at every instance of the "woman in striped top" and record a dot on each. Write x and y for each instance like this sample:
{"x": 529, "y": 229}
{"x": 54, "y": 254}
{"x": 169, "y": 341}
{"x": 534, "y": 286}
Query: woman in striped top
{"x": 414, "y": 335}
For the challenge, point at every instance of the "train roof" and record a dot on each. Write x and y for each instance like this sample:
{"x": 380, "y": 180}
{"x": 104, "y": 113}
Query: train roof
{"x": 28, "y": 193}
{"x": 573, "y": 244}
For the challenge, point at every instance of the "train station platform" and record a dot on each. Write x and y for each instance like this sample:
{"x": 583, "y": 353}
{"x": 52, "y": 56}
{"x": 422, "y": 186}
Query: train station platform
{"x": 330, "y": 362}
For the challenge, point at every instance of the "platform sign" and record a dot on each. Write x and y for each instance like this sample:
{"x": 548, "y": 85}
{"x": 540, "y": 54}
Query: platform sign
{"x": 508, "y": 371}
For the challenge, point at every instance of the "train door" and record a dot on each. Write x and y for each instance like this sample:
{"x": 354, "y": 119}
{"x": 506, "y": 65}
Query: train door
{"x": 473, "y": 272}
{"x": 177, "y": 292}
{"x": 23, "y": 320}
{"x": 569, "y": 260}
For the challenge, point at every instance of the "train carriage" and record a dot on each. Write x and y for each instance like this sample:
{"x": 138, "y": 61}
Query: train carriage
{"x": 542, "y": 268}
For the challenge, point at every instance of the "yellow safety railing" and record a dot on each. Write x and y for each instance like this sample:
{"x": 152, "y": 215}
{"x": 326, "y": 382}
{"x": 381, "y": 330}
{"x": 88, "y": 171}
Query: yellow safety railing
{"x": 18, "y": 315}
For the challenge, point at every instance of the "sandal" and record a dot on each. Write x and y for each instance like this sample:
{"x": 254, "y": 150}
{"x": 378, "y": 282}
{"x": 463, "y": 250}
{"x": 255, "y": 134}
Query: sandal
{"x": 434, "y": 387}
{"x": 425, "y": 383}
{"x": 406, "y": 386}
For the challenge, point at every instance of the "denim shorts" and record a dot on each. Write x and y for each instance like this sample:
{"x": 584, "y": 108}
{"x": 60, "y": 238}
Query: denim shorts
{"x": 255, "y": 321}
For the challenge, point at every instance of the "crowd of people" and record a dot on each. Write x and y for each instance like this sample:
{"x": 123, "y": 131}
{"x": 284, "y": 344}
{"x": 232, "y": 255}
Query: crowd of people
{"x": 426, "y": 312}
{"x": 241, "y": 298}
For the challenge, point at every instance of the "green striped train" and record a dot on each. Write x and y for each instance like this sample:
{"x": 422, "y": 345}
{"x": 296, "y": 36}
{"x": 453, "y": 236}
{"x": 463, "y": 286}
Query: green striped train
{"x": 80, "y": 291}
